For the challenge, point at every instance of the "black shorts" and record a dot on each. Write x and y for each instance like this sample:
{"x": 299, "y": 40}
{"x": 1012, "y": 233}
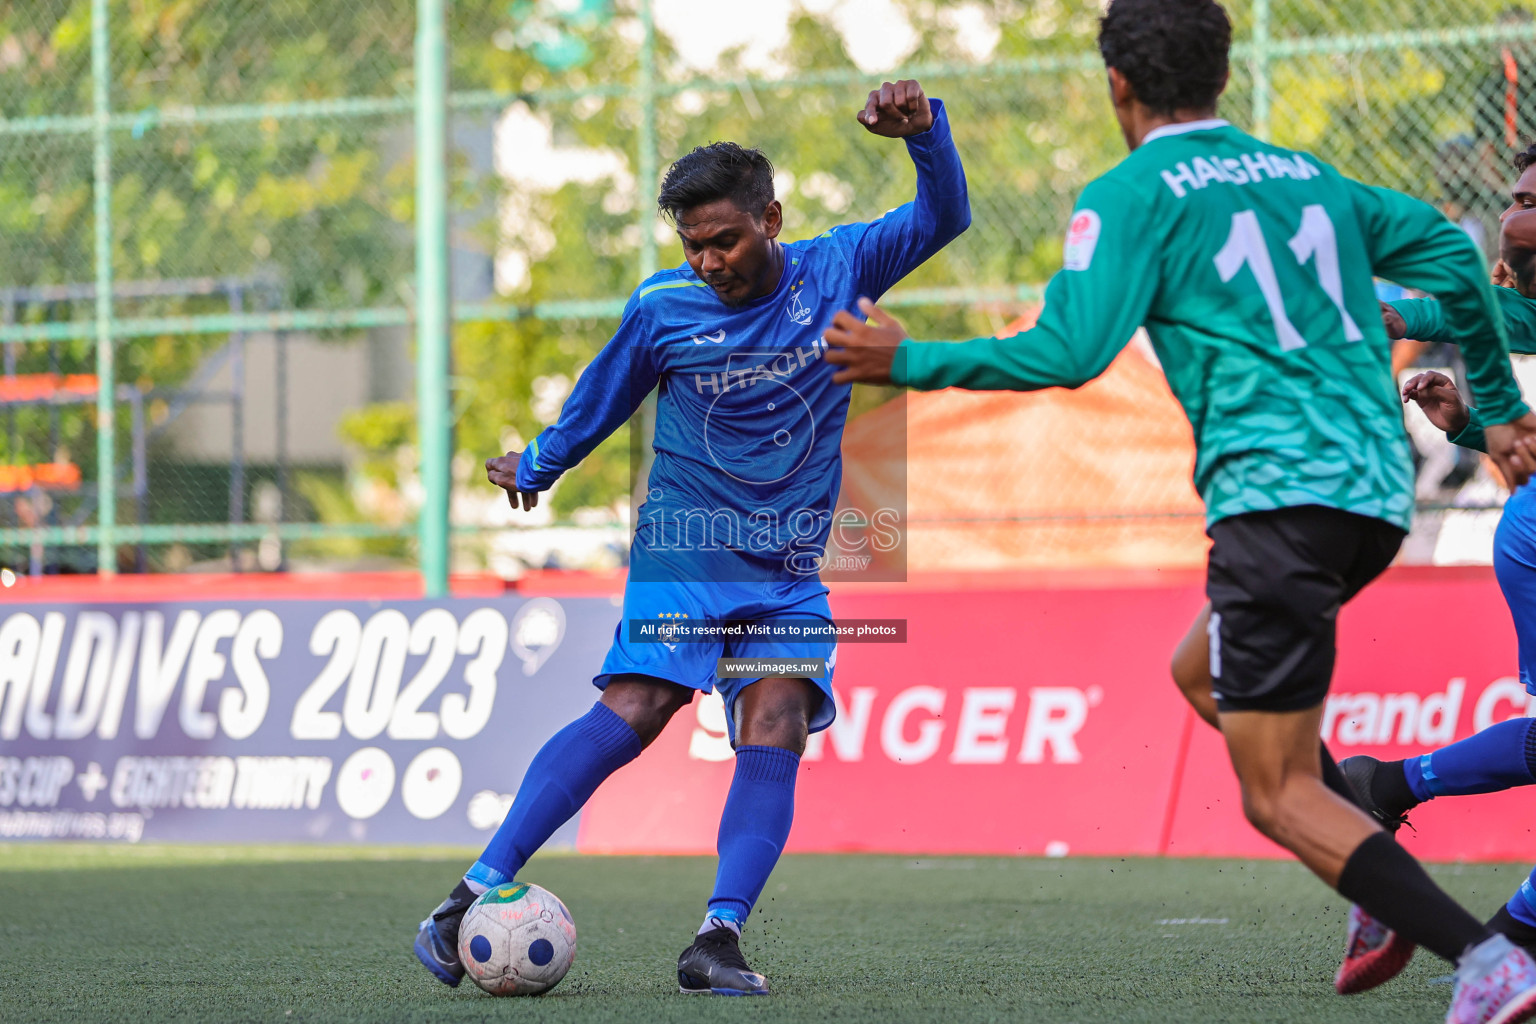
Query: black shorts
{"x": 1276, "y": 581}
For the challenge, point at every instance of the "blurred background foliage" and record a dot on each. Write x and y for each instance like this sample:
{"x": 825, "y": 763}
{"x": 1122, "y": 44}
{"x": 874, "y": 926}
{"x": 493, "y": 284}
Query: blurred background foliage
{"x": 318, "y": 208}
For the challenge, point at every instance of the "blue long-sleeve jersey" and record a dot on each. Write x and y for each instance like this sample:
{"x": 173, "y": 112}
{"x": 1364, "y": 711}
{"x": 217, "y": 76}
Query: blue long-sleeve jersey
{"x": 749, "y": 423}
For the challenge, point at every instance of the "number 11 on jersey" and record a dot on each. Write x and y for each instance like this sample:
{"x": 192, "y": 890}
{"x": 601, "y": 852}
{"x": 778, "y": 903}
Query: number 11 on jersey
{"x": 1314, "y": 240}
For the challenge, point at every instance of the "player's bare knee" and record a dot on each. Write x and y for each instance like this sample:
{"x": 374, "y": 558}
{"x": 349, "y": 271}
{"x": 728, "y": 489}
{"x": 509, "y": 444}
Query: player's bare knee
{"x": 1259, "y": 807}
{"x": 1278, "y": 808}
{"x": 1264, "y": 799}
{"x": 781, "y": 722}
{"x": 646, "y": 704}
{"x": 787, "y": 732}
{"x": 776, "y": 713}
{"x": 1272, "y": 815}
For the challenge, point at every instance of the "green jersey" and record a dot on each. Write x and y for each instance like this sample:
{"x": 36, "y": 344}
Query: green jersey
{"x": 1426, "y": 321}
{"x": 1251, "y": 267}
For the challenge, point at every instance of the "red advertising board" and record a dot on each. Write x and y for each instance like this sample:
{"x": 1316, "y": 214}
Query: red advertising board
{"x": 1036, "y": 715}
{"x": 1426, "y": 657}
{"x": 1023, "y": 714}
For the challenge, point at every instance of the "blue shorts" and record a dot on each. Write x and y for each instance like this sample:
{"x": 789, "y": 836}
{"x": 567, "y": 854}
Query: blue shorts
{"x": 648, "y": 596}
{"x": 1514, "y": 562}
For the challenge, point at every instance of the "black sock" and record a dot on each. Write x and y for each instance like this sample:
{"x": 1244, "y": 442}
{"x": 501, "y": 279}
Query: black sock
{"x": 1389, "y": 788}
{"x": 1334, "y": 779}
{"x": 1387, "y": 883}
{"x": 1512, "y": 928}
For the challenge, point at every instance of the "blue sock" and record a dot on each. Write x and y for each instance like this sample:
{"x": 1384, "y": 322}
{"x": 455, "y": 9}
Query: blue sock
{"x": 753, "y": 828}
{"x": 1522, "y": 905}
{"x": 563, "y": 776}
{"x": 1500, "y": 757}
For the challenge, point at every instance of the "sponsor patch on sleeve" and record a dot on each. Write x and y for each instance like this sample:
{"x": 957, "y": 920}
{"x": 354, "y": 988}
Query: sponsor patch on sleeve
{"x": 1082, "y": 239}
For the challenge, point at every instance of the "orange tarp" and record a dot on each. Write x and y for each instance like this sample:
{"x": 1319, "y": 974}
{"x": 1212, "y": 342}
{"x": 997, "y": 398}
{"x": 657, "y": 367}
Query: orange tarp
{"x": 28, "y": 387}
{"x": 61, "y": 476}
{"x": 1093, "y": 478}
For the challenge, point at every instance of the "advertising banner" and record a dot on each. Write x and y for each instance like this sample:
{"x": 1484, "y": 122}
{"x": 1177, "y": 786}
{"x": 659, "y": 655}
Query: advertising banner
{"x": 1426, "y": 657}
{"x": 284, "y": 721}
{"x": 1040, "y": 718}
{"x": 1008, "y": 716}
{"x": 1010, "y": 721}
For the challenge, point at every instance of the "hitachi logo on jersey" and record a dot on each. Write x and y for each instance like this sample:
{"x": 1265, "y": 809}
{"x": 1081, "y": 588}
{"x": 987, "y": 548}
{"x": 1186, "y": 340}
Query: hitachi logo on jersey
{"x": 1249, "y": 169}
{"x": 780, "y": 366}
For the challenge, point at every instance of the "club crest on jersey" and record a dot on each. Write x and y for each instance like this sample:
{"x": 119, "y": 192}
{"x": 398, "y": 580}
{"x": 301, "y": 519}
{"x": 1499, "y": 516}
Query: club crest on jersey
{"x": 1082, "y": 239}
{"x": 797, "y": 310}
{"x": 669, "y": 630}
{"x": 713, "y": 339}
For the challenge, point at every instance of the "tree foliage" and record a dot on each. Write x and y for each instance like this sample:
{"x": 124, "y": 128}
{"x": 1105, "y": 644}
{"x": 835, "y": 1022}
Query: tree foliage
{"x": 322, "y": 207}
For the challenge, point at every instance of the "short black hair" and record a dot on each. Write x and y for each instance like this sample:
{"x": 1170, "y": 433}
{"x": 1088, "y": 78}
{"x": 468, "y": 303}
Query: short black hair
{"x": 1173, "y": 52}
{"x": 720, "y": 170}
{"x": 1525, "y": 158}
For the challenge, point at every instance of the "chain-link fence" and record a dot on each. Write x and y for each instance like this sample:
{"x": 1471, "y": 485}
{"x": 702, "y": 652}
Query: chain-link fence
{"x": 209, "y": 207}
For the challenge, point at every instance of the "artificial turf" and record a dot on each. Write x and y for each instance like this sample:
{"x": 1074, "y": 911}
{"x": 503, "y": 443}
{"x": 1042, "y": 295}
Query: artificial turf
{"x": 293, "y": 934}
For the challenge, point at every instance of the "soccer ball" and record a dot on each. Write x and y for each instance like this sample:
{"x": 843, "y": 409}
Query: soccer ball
{"x": 517, "y": 940}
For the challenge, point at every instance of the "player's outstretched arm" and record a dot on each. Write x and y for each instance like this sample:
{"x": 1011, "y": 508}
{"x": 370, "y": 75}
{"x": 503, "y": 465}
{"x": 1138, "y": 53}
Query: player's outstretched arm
{"x": 1418, "y": 319}
{"x": 886, "y": 250}
{"x": 1424, "y": 320}
{"x": 606, "y": 394}
{"x": 1091, "y": 310}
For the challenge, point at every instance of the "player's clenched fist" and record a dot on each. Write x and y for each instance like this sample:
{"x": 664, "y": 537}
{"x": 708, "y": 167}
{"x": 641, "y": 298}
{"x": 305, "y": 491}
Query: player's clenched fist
{"x": 502, "y": 471}
{"x": 866, "y": 350}
{"x": 896, "y": 110}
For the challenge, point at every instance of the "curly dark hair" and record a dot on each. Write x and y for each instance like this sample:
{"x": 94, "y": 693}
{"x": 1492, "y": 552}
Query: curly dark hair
{"x": 720, "y": 170}
{"x": 1525, "y": 158}
{"x": 1173, "y": 52}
